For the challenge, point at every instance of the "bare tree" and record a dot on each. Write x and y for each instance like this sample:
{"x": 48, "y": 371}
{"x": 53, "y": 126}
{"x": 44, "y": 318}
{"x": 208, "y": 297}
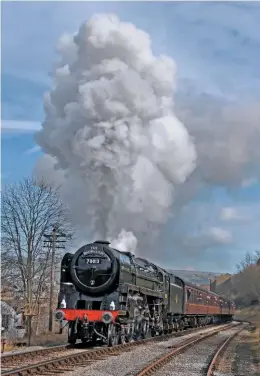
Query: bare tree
{"x": 244, "y": 287}
{"x": 249, "y": 259}
{"x": 257, "y": 257}
{"x": 247, "y": 281}
{"x": 29, "y": 210}
{"x": 248, "y": 285}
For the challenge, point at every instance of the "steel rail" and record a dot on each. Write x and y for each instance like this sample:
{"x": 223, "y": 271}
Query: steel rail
{"x": 219, "y": 353}
{"x": 9, "y": 360}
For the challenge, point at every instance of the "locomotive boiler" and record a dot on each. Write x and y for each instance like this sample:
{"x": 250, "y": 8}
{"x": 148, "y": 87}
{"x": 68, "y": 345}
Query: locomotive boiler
{"x": 114, "y": 297}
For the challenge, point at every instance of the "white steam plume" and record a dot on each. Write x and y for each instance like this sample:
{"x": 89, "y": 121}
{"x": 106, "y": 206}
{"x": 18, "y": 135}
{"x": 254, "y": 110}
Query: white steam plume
{"x": 111, "y": 129}
{"x": 125, "y": 242}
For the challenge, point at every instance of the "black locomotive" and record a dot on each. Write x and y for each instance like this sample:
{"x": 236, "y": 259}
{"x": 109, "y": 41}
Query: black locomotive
{"x": 114, "y": 297}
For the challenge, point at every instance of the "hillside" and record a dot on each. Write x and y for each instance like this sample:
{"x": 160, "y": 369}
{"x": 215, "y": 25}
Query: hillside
{"x": 195, "y": 277}
{"x": 243, "y": 287}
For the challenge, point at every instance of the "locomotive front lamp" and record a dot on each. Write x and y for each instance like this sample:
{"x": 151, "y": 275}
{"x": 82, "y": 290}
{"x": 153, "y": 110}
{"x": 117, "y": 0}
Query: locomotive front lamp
{"x": 59, "y": 315}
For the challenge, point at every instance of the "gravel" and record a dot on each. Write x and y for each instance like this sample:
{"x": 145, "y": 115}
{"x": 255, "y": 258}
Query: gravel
{"x": 240, "y": 358}
{"x": 225, "y": 366}
{"x": 129, "y": 363}
{"x": 195, "y": 360}
{"x": 246, "y": 358}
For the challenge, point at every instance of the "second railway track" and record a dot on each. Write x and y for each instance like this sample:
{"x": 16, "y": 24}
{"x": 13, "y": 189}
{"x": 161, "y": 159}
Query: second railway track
{"x": 196, "y": 356}
{"x": 223, "y": 355}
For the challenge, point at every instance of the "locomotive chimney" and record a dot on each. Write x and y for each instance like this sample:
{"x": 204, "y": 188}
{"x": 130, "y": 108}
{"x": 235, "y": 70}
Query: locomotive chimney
{"x": 102, "y": 242}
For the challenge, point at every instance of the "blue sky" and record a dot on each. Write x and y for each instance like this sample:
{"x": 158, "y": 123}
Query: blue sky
{"x": 217, "y": 50}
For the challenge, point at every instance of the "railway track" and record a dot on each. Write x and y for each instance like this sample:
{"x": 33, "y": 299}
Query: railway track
{"x": 61, "y": 359}
{"x": 219, "y": 354}
{"x": 22, "y": 359}
{"x": 199, "y": 348}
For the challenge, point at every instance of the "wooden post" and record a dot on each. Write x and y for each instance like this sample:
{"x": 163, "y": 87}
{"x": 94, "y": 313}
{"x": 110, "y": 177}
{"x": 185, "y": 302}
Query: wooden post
{"x": 29, "y": 314}
{"x": 52, "y": 240}
{"x": 52, "y": 280}
{"x": 3, "y": 340}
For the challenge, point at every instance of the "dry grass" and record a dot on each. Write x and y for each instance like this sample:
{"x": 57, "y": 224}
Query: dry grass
{"x": 44, "y": 340}
{"x": 49, "y": 339}
{"x": 256, "y": 345}
{"x": 252, "y": 314}
{"x": 9, "y": 346}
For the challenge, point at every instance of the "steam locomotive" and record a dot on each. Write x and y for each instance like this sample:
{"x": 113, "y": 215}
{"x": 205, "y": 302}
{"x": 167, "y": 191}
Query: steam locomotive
{"x": 108, "y": 296}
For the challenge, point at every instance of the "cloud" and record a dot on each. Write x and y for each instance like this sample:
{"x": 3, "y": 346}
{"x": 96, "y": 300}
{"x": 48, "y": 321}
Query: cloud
{"x": 20, "y": 126}
{"x": 189, "y": 268}
{"x": 226, "y": 135}
{"x": 248, "y": 182}
{"x": 212, "y": 237}
{"x": 201, "y": 248}
{"x": 220, "y": 236}
{"x": 32, "y": 150}
{"x": 231, "y": 214}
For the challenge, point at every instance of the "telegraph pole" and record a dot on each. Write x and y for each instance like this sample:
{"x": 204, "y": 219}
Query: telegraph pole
{"x": 51, "y": 242}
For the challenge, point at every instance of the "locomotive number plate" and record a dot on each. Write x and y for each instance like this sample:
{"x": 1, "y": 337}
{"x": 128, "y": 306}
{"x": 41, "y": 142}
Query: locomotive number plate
{"x": 93, "y": 261}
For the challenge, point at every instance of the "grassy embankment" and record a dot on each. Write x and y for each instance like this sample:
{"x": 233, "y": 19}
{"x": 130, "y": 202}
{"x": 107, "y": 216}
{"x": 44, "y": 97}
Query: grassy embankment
{"x": 252, "y": 314}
